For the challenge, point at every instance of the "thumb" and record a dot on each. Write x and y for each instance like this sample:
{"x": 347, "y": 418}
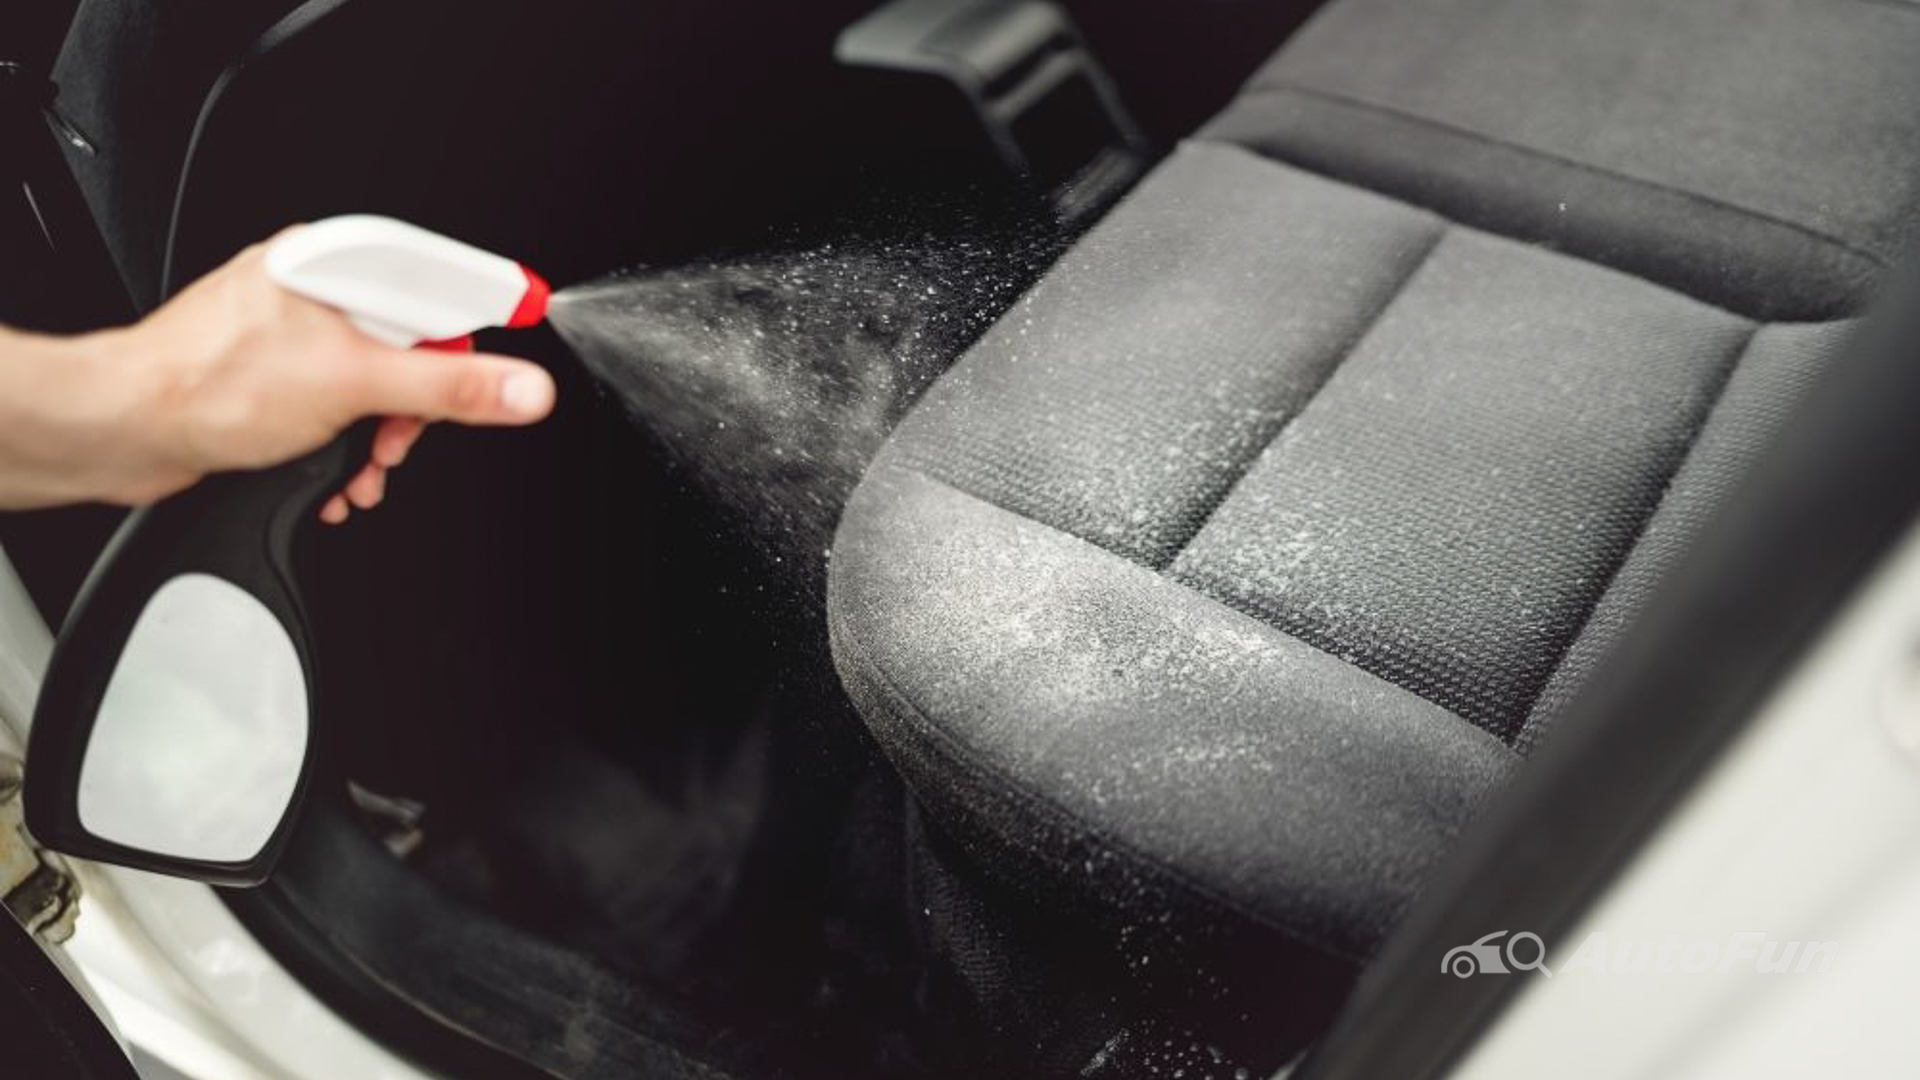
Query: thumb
{"x": 467, "y": 388}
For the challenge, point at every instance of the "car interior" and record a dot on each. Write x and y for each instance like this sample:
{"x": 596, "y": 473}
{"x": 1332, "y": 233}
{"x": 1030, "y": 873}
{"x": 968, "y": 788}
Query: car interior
{"x": 1315, "y": 396}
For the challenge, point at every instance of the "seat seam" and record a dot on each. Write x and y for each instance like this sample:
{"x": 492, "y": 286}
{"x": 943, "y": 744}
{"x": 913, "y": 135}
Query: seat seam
{"x": 1040, "y": 806}
{"x": 1244, "y": 468}
{"x": 1282, "y": 87}
{"x": 1511, "y": 733}
{"x": 1736, "y": 357}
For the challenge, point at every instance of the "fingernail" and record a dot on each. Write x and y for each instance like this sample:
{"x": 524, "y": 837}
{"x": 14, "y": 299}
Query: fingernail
{"x": 526, "y": 393}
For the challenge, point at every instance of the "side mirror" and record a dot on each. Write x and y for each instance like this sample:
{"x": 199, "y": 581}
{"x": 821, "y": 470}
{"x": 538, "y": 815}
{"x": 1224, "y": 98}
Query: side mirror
{"x": 174, "y": 728}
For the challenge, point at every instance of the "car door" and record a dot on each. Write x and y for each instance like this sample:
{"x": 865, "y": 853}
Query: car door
{"x": 50, "y": 1028}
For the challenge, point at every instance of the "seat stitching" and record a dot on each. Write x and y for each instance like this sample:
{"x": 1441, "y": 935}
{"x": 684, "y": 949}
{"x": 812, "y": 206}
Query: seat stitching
{"x": 1347, "y": 350}
{"x": 1283, "y": 87}
{"x": 1725, "y": 376}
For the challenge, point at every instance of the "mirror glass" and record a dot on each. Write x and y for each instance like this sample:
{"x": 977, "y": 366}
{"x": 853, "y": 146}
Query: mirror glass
{"x": 200, "y": 739}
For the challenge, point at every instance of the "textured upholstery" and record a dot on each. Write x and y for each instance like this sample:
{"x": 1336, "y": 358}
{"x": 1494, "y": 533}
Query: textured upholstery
{"x": 1234, "y": 567}
{"x": 1780, "y": 363}
{"x": 1758, "y": 154}
{"x": 1449, "y": 506}
{"x": 1026, "y": 678}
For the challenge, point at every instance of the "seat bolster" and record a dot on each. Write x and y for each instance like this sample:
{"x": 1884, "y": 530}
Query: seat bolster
{"x": 1046, "y": 698}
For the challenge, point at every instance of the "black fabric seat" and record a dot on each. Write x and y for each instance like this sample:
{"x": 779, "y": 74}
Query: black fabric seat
{"x": 1222, "y": 581}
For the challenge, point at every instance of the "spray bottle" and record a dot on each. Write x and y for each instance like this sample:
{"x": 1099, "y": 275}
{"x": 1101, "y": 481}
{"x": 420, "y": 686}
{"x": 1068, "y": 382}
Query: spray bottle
{"x": 149, "y": 655}
{"x": 397, "y": 283}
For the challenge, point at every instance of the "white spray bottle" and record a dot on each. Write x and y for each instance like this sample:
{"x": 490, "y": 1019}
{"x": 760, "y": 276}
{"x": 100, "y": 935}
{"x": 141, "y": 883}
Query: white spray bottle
{"x": 183, "y": 573}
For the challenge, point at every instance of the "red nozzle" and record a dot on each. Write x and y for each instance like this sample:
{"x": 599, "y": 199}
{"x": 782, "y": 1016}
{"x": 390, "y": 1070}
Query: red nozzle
{"x": 533, "y": 303}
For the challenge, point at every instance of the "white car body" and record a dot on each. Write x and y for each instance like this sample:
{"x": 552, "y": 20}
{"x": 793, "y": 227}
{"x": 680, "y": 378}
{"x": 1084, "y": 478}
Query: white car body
{"x": 169, "y": 966}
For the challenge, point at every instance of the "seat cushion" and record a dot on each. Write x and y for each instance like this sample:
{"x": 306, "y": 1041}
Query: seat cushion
{"x": 1231, "y": 572}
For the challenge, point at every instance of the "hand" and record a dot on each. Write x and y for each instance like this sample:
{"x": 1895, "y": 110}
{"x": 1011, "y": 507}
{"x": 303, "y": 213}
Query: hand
{"x": 239, "y": 373}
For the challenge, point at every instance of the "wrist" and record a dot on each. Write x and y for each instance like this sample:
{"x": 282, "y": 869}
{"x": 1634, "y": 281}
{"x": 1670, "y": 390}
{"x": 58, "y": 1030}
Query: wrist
{"x": 76, "y": 411}
{"x": 126, "y": 409}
